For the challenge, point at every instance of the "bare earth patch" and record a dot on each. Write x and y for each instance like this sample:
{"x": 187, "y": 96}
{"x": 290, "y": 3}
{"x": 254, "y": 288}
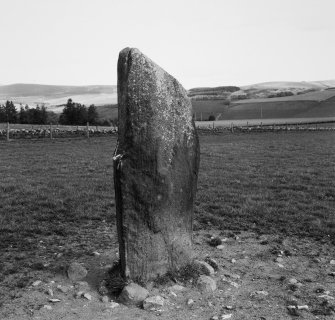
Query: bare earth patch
{"x": 259, "y": 277}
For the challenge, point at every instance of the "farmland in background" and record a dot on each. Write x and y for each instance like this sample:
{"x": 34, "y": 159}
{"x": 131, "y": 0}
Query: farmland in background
{"x": 309, "y": 105}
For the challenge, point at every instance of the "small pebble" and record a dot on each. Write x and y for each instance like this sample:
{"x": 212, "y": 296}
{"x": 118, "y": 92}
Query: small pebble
{"x": 293, "y": 281}
{"x": 332, "y": 262}
{"x": 63, "y": 289}
{"x": 48, "y": 307}
{"x": 233, "y": 260}
{"x": 226, "y": 316}
{"x": 36, "y": 283}
{"x": 190, "y": 301}
{"x": 304, "y": 307}
{"x": 215, "y": 318}
{"x": 220, "y": 247}
{"x": 87, "y": 296}
{"x": 113, "y": 305}
{"x": 54, "y": 300}
{"x": 262, "y": 292}
{"x": 78, "y": 294}
{"x": 50, "y": 292}
{"x": 105, "y": 299}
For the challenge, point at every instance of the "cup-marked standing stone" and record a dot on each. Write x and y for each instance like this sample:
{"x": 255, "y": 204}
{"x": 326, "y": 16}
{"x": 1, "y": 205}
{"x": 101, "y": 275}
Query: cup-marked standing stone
{"x": 156, "y": 165}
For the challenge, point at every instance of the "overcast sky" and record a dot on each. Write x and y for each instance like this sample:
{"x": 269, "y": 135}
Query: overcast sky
{"x": 201, "y": 43}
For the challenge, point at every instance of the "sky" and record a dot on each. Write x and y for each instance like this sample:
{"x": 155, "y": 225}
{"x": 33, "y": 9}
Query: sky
{"x": 200, "y": 42}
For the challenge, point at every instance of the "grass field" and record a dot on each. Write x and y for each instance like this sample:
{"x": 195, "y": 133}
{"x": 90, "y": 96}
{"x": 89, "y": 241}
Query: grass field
{"x": 315, "y": 104}
{"x": 58, "y": 195}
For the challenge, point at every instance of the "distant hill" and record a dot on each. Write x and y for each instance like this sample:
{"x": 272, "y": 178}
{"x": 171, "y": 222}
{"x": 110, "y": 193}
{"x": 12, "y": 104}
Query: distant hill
{"x": 212, "y": 93}
{"x": 53, "y": 96}
{"x": 269, "y": 99}
{"x": 260, "y": 90}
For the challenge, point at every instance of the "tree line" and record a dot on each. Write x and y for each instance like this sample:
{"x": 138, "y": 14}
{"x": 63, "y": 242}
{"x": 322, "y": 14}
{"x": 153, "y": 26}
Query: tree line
{"x": 73, "y": 114}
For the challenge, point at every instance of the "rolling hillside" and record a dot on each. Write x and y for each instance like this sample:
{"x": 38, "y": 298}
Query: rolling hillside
{"x": 305, "y": 99}
{"x": 53, "y": 96}
{"x": 318, "y": 104}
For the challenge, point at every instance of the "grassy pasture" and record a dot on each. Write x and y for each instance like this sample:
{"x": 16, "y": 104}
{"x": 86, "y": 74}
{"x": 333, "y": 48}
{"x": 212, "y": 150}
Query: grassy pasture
{"x": 61, "y": 192}
{"x": 269, "y": 109}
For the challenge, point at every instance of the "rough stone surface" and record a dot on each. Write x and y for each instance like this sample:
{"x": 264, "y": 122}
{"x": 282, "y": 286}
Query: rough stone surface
{"x": 153, "y": 302}
{"x": 133, "y": 294}
{"x": 206, "y": 284}
{"x": 156, "y": 166}
{"x": 76, "y": 271}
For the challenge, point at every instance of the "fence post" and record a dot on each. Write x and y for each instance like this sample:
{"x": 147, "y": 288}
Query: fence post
{"x": 50, "y": 131}
{"x": 7, "y": 131}
{"x": 87, "y": 131}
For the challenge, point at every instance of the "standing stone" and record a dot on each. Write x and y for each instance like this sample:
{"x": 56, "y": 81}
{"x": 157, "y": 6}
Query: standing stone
{"x": 156, "y": 165}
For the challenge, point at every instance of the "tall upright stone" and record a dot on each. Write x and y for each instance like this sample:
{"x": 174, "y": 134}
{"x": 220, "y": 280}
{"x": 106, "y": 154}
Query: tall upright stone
{"x": 156, "y": 165}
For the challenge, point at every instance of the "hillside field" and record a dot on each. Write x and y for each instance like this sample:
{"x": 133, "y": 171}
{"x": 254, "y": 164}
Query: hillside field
{"x": 318, "y": 104}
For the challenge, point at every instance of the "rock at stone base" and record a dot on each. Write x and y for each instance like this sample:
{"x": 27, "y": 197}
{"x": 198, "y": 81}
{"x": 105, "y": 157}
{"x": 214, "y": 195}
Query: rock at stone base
{"x": 76, "y": 271}
{"x": 206, "y": 284}
{"x": 133, "y": 294}
{"x": 215, "y": 241}
{"x": 104, "y": 299}
{"x": 153, "y": 303}
{"x": 87, "y": 296}
{"x": 204, "y": 267}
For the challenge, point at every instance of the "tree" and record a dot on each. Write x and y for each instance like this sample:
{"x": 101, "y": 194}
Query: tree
{"x": 92, "y": 114}
{"x": 8, "y": 112}
{"x": 78, "y": 114}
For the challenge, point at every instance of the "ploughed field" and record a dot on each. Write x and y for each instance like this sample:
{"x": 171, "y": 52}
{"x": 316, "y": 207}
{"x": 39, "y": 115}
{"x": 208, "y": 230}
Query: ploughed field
{"x": 57, "y": 196}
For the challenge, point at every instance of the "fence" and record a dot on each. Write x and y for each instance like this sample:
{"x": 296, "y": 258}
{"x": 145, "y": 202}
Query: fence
{"x": 269, "y": 125}
{"x": 24, "y": 131}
